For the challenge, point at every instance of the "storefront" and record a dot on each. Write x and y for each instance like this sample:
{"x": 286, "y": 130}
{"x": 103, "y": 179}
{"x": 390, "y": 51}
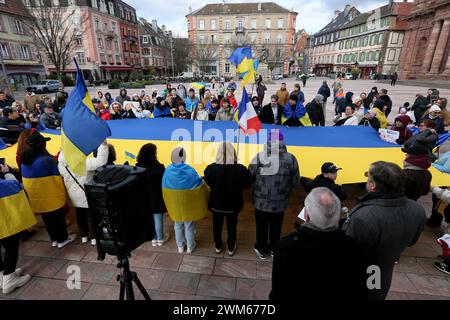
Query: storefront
{"x": 22, "y": 76}
{"x": 368, "y": 71}
{"x": 116, "y": 72}
{"x": 323, "y": 69}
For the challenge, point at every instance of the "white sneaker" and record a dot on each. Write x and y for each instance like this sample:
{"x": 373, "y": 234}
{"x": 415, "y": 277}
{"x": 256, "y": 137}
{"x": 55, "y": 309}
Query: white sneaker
{"x": 13, "y": 281}
{"x": 71, "y": 238}
{"x": 164, "y": 240}
{"x": 18, "y": 272}
{"x": 190, "y": 250}
{"x": 84, "y": 240}
{"x": 154, "y": 243}
{"x": 54, "y": 243}
{"x": 181, "y": 250}
{"x": 93, "y": 242}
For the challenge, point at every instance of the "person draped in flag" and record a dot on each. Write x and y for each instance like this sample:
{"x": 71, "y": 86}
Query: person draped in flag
{"x": 294, "y": 113}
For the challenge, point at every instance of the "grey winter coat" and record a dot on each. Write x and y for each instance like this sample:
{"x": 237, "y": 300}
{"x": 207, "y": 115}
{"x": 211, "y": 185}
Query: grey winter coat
{"x": 385, "y": 225}
{"x": 274, "y": 172}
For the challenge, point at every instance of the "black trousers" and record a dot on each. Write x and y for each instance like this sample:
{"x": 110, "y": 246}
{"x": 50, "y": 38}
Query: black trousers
{"x": 268, "y": 230}
{"x": 218, "y": 219}
{"x": 436, "y": 218}
{"x": 11, "y": 245}
{"x": 84, "y": 222}
{"x": 393, "y": 82}
{"x": 55, "y": 224}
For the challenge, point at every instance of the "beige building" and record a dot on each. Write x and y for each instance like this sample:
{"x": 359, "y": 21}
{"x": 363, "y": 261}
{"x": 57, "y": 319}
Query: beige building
{"x": 215, "y": 30}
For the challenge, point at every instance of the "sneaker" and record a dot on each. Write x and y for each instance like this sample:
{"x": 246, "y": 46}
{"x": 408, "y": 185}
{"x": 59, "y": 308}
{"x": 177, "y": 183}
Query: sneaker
{"x": 18, "y": 272}
{"x": 161, "y": 242}
{"x": 154, "y": 243}
{"x": 181, "y": 250}
{"x": 442, "y": 267}
{"x": 260, "y": 255}
{"x": 54, "y": 243}
{"x": 190, "y": 250}
{"x": 84, "y": 240}
{"x": 71, "y": 238}
{"x": 231, "y": 252}
{"x": 13, "y": 281}
{"x": 218, "y": 251}
{"x": 93, "y": 242}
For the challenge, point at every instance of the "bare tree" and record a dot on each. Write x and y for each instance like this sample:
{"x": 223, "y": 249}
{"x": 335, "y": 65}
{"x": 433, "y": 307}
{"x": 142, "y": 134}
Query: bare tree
{"x": 181, "y": 54}
{"x": 204, "y": 54}
{"x": 55, "y": 29}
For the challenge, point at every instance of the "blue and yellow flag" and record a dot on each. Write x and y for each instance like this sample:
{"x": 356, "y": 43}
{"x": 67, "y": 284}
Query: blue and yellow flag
{"x": 245, "y": 65}
{"x": 131, "y": 158}
{"x": 82, "y": 131}
{"x": 185, "y": 193}
{"x": 44, "y": 185}
{"x": 15, "y": 211}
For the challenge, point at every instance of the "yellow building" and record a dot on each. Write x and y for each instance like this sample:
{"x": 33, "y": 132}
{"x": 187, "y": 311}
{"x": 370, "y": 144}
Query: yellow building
{"x": 215, "y": 30}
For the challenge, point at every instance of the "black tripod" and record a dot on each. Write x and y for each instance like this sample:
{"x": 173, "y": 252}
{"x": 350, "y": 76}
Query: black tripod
{"x": 126, "y": 278}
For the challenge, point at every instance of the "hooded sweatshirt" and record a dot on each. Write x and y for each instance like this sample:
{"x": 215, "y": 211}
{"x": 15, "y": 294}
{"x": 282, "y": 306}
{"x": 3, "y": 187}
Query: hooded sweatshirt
{"x": 405, "y": 133}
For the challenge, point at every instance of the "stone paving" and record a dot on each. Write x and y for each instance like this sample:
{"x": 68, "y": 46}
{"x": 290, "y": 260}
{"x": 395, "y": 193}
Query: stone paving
{"x": 206, "y": 275}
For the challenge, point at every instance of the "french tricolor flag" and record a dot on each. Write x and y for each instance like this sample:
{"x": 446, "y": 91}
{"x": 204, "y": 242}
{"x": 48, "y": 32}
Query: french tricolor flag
{"x": 248, "y": 119}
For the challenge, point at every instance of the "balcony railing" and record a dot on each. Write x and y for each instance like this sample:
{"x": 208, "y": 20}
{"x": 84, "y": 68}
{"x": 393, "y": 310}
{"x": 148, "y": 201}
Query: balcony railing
{"x": 240, "y": 30}
{"x": 110, "y": 34}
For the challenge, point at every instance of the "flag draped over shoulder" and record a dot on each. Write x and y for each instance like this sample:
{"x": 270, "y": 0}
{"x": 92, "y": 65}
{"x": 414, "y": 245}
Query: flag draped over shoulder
{"x": 248, "y": 119}
{"x": 245, "y": 65}
{"x": 299, "y": 113}
{"x": 15, "y": 211}
{"x": 185, "y": 193}
{"x": 82, "y": 131}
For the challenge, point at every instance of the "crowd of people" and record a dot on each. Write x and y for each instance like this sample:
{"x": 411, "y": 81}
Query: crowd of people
{"x": 333, "y": 248}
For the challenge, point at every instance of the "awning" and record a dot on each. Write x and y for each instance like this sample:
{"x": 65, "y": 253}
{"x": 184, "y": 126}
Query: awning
{"x": 116, "y": 68}
{"x": 323, "y": 65}
{"x": 66, "y": 70}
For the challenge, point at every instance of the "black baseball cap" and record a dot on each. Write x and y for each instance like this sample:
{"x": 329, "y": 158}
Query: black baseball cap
{"x": 37, "y": 139}
{"x": 329, "y": 167}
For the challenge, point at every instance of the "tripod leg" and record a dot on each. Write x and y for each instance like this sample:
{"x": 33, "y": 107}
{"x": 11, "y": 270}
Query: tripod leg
{"x": 140, "y": 286}
{"x": 129, "y": 290}
{"x": 122, "y": 291}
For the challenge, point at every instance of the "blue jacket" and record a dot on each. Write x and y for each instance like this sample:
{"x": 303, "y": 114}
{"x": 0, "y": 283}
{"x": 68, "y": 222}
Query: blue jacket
{"x": 191, "y": 105}
{"x": 443, "y": 163}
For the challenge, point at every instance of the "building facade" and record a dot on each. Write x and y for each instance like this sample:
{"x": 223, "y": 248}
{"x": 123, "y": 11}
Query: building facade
{"x": 373, "y": 41}
{"x": 107, "y": 41}
{"x": 23, "y": 64}
{"x": 323, "y": 44}
{"x": 215, "y": 30}
{"x": 301, "y": 41}
{"x": 156, "y": 46}
{"x": 426, "y": 51}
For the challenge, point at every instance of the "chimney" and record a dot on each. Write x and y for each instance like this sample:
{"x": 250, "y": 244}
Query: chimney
{"x": 259, "y": 6}
{"x": 163, "y": 28}
{"x": 336, "y": 13}
{"x": 190, "y": 9}
{"x": 155, "y": 25}
{"x": 347, "y": 8}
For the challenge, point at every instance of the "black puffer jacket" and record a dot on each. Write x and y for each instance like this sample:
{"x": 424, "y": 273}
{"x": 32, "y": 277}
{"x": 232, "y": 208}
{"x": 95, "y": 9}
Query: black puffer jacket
{"x": 321, "y": 181}
{"x": 315, "y": 112}
{"x": 419, "y": 107}
{"x": 155, "y": 173}
{"x": 421, "y": 143}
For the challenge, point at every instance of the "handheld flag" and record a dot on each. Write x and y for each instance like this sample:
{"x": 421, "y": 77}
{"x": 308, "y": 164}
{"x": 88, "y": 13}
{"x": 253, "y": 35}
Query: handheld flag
{"x": 242, "y": 58}
{"x": 82, "y": 131}
{"x": 130, "y": 157}
{"x": 239, "y": 54}
{"x": 248, "y": 119}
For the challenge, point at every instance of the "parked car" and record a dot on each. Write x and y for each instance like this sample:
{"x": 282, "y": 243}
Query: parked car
{"x": 277, "y": 76}
{"x": 348, "y": 76}
{"x": 187, "y": 76}
{"x": 332, "y": 75}
{"x": 45, "y": 86}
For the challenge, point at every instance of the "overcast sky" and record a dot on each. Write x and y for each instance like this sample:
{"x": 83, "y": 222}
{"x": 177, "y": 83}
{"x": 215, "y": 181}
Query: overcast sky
{"x": 313, "y": 14}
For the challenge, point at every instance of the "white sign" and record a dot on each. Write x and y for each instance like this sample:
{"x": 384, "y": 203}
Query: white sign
{"x": 389, "y": 135}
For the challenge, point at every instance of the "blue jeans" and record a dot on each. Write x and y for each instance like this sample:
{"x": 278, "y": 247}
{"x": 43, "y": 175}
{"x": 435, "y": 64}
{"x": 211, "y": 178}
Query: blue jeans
{"x": 185, "y": 234}
{"x": 158, "y": 218}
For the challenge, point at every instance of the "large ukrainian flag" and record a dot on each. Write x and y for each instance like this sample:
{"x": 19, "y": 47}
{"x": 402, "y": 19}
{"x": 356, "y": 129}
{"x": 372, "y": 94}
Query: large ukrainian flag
{"x": 185, "y": 193}
{"x": 15, "y": 211}
{"x": 82, "y": 131}
{"x": 44, "y": 185}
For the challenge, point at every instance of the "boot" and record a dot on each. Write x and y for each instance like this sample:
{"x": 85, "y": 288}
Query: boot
{"x": 18, "y": 272}
{"x": 13, "y": 281}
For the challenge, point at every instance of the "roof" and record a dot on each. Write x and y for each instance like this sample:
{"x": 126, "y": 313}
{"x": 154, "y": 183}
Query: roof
{"x": 15, "y": 7}
{"x": 338, "y": 22}
{"x": 240, "y": 8}
{"x": 385, "y": 11}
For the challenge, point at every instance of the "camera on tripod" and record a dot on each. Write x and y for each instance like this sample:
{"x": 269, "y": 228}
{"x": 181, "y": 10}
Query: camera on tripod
{"x": 118, "y": 198}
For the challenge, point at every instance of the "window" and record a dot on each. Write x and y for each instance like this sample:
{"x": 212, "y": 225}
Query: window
{"x": 108, "y": 44}
{"x": 201, "y": 39}
{"x": 78, "y": 41}
{"x": 227, "y": 24}
{"x": 113, "y": 26}
{"x": 267, "y": 38}
{"x": 118, "y": 59}
{"x": 110, "y": 59}
{"x": 81, "y": 59}
{"x": 144, "y": 39}
{"x": 347, "y": 43}
{"x": 213, "y": 39}
{"x": 227, "y": 38}
{"x": 116, "y": 45}
{"x": 201, "y": 24}
{"x": 227, "y": 67}
{"x": 18, "y": 26}
{"x": 253, "y": 37}
{"x": 55, "y": 3}
{"x": 280, "y": 23}
{"x": 362, "y": 56}
{"x": 341, "y": 45}
{"x": 100, "y": 43}
{"x": 253, "y": 23}
{"x": 121, "y": 12}
{"x": 111, "y": 8}
{"x": 278, "y": 53}
{"x": 97, "y": 24}
{"x": 381, "y": 39}
{"x": 268, "y": 24}
{"x": 27, "y": 3}
{"x": 105, "y": 26}
{"x": 240, "y": 24}
{"x": 365, "y": 41}
{"x": 279, "y": 38}
{"x": 227, "y": 53}
{"x": 25, "y": 52}
{"x": 4, "y": 50}
{"x": 213, "y": 24}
